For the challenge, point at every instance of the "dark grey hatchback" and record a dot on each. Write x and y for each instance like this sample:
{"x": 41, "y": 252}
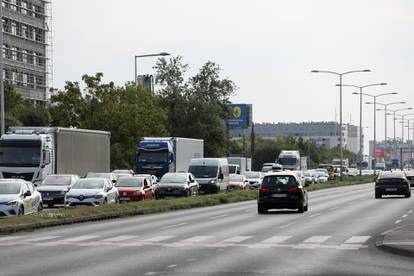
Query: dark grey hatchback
{"x": 392, "y": 183}
{"x": 282, "y": 190}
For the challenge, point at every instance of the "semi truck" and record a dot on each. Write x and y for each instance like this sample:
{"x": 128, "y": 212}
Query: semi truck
{"x": 32, "y": 153}
{"x": 239, "y": 165}
{"x": 159, "y": 155}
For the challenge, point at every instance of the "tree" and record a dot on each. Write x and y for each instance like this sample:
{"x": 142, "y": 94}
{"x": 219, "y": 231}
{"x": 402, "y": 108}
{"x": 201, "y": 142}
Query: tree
{"x": 196, "y": 106}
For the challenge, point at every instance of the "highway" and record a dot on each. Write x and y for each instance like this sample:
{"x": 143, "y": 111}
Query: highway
{"x": 336, "y": 237}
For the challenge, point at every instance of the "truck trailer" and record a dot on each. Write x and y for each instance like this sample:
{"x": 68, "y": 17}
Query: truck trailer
{"x": 159, "y": 155}
{"x": 32, "y": 153}
{"x": 239, "y": 165}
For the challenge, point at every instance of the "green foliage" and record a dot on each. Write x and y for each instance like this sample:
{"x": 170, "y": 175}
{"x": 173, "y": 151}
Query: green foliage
{"x": 196, "y": 107}
{"x": 127, "y": 112}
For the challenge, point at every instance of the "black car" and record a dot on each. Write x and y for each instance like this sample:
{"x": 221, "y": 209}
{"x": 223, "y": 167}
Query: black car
{"x": 54, "y": 188}
{"x": 392, "y": 183}
{"x": 282, "y": 190}
{"x": 410, "y": 177}
{"x": 175, "y": 185}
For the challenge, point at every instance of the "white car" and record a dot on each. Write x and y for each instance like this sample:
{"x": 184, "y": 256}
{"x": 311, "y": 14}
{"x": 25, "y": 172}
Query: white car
{"x": 91, "y": 192}
{"x": 18, "y": 197}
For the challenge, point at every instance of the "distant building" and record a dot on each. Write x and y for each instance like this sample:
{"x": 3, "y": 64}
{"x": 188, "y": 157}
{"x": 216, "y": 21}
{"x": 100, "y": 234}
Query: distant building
{"x": 26, "y": 47}
{"x": 324, "y": 134}
{"x": 390, "y": 151}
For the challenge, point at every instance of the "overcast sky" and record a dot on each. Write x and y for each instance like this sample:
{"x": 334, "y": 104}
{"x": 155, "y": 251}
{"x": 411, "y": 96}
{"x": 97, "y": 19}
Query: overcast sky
{"x": 267, "y": 47}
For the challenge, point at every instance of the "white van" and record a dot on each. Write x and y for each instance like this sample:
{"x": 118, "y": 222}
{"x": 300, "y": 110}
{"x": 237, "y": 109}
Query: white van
{"x": 212, "y": 174}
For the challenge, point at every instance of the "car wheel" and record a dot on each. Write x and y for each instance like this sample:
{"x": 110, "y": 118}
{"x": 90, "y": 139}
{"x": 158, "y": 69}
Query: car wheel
{"x": 21, "y": 211}
{"x": 261, "y": 209}
{"x": 378, "y": 195}
{"x": 301, "y": 208}
{"x": 306, "y": 207}
{"x": 40, "y": 207}
{"x": 105, "y": 202}
{"x": 407, "y": 195}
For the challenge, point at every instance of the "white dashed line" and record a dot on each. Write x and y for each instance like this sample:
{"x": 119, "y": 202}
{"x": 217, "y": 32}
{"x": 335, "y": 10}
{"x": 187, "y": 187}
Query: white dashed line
{"x": 158, "y": 238}
{"x": 398, "y": 221}
{"x": 173, "y": 226}
{"x": 357, "y": 239}
{"x": 220, "y": 216}
{"x": 404, "y": 216}
{"x": 237, "y": 239}
{"x": 197, "y": 239}
{"x": 316, "y": 239}
{"x": 277, "y": 239}
{"x": 314, "y": 215}
{"x": 172, "y": 266}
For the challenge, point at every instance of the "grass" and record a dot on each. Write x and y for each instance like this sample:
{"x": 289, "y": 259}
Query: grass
{"x": 76, "y": 215}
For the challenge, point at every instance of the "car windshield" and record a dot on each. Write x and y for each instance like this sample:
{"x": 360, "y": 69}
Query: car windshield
{"x": 232, "y": 169}
{"x": 236, "y": 178}
{"x": 56, "y": 180}
{"x": 21, "y": 153}
{"x": 174, "y": 178}
{"x": 203, "y": 171}
{"x": 153, "y": 157}
{"x": 130, "y": 182}
{"x": 287, "y": 161}
{"x": 88, "y": 184}
{"x": 252, "y": 175}
{"x": 9, "y": 188}
{"x": 279, "y": 180}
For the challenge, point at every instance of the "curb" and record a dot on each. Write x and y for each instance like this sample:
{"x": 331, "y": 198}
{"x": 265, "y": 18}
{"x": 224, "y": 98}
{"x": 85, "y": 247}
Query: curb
{"x": 393, "y": 249}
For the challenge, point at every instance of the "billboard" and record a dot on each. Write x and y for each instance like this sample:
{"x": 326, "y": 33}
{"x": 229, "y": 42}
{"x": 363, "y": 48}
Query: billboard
{"x": 240, "y": 116}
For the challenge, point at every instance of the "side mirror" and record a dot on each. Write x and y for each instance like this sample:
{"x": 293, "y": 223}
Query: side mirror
{"x": 221, "y": 176}
{"x": 192, "y": 181}
{"x": 108, "y": 189}
{"x": 114, "y": 181}
{"x": 26, "y": 194}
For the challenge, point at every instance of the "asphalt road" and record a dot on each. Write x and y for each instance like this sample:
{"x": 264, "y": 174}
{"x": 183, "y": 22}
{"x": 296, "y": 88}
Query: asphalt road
{"x": 336, "y": 237}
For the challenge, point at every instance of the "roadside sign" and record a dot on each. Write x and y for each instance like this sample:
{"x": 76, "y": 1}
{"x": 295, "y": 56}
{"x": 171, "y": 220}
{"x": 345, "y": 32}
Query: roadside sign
{"x": 240, "y": 116}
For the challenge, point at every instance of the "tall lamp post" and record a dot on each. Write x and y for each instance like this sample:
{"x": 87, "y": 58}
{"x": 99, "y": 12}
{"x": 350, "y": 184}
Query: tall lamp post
{"x": 361, "y": 141}
{"x": 375, "y": 122}
{"x": 386, "y": 112}
{"x": 340, "y": 108}
{"x": 141, "y": 56}
{"x": 2, "y": 107}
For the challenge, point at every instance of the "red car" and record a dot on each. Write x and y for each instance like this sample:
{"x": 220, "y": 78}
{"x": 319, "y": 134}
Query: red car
{"x": 132, "y": 188}
{"x": 238, "y": 182}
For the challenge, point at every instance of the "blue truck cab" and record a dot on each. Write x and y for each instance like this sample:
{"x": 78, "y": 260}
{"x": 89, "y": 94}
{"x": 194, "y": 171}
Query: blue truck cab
{"x": 155, "y": 157}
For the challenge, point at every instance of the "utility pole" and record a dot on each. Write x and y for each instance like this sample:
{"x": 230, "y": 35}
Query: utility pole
{"x": 2, "y": 108}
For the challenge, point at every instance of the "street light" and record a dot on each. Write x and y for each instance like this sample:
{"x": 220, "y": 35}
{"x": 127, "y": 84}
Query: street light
{"x": 386, "y": 112}
{"x": 375, "y": 121}
{"x": 340, "y": 107}
{"x": 395, "y": 115}
{"x": 361, "y": 142}
{"x": 162, "y": 54}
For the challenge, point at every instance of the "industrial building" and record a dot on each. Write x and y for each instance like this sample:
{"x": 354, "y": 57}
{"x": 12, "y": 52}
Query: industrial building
{"x": 324, "y": 134}
{"x": 27, "y": 47}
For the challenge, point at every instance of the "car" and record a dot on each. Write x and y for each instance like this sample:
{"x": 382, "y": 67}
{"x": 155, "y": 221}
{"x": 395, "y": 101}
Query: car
{"x": 307, "y": 178}
{"x": 91, "y": 192}
{"x": 18, "y": 197}
{"x": 126, "y": 171}
{"x": 54, "y": 187}
{"x": 282, "y": 190}
{"x": 176, "y": 185}
{"x": 392, "y": 183}
{"x": 110, "y": 176}
{"x": 267, "y": 167}
{"x": 238, "y": 182}
{"x": 410, "y": 177}
{"x": 153, "y": 179}
{"x": 321, "y": 177}
{"x": 254, "y": 178}
{"x": 132, "y": 188}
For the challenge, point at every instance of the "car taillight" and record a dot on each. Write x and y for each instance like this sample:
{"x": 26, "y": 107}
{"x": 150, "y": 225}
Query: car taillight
{"x": 263, "y": 190}
{"x": 294, "y": 190}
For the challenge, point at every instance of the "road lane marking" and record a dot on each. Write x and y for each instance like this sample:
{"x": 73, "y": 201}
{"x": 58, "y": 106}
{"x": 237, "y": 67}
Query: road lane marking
{"x": 11, "y": 238}
{"x": 172, "y": 266}
{"x": 276, "y": 239}
{"x": 317, "y": 239}
{"x": 314, "y": 215}
{"x": 38, "y": 239}
{"x": 150, "y": 273}
{"x": 410, "y": 211}
{"x": 158, "y": 239}
{"x": 237, "y": 239}
{"x": 220, "y": 216}
{"x": 173, "y": 225}
{"x": 357, "y": 239}
{"x": 398, "y": 221}
{"x": 119, "y": 238}
{"x": 404, "y": 216}
{"x": 286, "y": 225}
{"x": 80, "y": 238}
{"x": 197, "y": 239}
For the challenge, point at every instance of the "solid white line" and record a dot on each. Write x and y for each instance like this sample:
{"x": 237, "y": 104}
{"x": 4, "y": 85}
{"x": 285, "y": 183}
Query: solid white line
{"x": 357, "y": 239}
{"x": 80, "y": 238}
{"x": 119, "y": 238}
{"x": 173, "y": 225}
{"x": 11, "y": 238}
{"x": 158, "y": 238}
{"x": 220, "y": 216}
{"x": 316, "y": 239}
{"x": 171, "y": 266}
{"x": 276, "y": 239}
{"x": 286, "y": 225}
{"x": 197, "y": 239}
{"x": 398, "y": 221}
{"x": 237, "y": 239}
{"x": 314, "y": 215}
{"x": 42, "y": 239}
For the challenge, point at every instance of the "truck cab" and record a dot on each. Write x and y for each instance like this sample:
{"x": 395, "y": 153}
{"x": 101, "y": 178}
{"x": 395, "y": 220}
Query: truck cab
{"x": 289, "y": 159}
{"x": 26, "y": 154}
{"x": 154, "y": 157}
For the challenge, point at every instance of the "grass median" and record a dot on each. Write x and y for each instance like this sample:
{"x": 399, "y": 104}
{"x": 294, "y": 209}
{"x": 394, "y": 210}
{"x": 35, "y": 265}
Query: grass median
{"x": 64, "y": 216}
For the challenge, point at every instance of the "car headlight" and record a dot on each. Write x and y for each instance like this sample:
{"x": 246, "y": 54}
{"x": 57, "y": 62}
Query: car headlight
{"x": 212, "y": 182}
{"x": 70, "y": 196}
{"x": 12, "y": 203}
{"x": 98, "y": 196}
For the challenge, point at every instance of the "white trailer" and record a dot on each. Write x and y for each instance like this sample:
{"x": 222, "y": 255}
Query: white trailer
{"x": 239, "y": 165}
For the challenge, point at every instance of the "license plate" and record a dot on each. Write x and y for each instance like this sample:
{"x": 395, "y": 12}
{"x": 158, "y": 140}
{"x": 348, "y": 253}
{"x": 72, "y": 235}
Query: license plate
{"x": 124, "y": 198}
{"x": 47, "y": 198}
{"x": 279, "y": 195}
{"x": 390, "y": 189}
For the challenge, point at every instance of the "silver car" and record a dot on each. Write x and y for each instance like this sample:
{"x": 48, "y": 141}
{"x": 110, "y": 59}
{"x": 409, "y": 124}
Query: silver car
{"x": 18, "y": 197}
{"x": 91, "y": 192}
